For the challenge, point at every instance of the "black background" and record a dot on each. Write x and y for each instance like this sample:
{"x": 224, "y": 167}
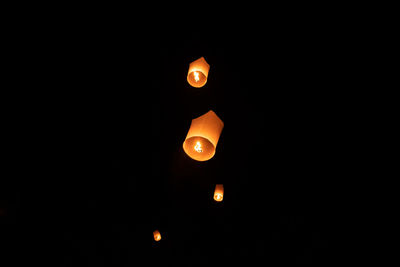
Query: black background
{"x": 106, "y": 165}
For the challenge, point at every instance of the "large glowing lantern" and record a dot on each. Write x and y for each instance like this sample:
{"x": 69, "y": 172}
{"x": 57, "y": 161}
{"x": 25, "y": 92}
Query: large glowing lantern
{"x": 219, "y": 192}
{"x": 157, "y": 235}
{"x": 198, "y": 72}
{"x": 202, "y": 138}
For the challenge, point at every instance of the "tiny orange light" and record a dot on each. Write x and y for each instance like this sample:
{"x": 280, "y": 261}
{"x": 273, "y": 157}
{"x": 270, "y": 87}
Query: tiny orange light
{"x": 219, "y": 192}
{"x": 157, "y": 235}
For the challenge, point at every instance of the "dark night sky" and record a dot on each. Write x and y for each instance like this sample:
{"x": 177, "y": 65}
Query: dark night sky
{"x": 114, "y": 177}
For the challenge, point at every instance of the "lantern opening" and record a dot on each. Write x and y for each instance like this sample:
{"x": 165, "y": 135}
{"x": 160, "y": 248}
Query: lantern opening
{"x": 197, "y": 79}
{"x": 199, "y": 148}
{"x": 218, "y": 197}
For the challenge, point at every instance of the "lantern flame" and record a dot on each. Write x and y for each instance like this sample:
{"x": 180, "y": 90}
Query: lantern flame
{"x": 196, "y": 76}
{"x": 198, "y": 147}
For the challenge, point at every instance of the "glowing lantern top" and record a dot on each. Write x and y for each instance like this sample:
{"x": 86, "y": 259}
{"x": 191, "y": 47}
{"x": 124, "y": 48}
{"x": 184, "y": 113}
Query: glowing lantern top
{"x": 202, "y": 138}
{"x": 198, "y": 72}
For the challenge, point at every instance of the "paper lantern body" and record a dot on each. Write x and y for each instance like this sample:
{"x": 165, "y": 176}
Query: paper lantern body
{"x": 157, "y": 235}
{"x": 202, "y": 138}
{"x": 198, "y": 72}
{"x": 219, "y": 192}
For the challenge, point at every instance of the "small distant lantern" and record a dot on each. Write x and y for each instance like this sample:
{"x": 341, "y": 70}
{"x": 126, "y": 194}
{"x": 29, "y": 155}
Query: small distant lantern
{"x": 198, "y": 72}
{"x": 202, "y": 138}
{"x": 219, "y": 192}
{"x": 157, "y": 235}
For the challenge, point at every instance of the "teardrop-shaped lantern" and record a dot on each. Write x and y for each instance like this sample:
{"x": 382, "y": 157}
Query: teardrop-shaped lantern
{"x": 202, "y": 138}
{"x": 219, "y": 192}
{"x": 198, "y": 72}
{"x": 157, "y": 235}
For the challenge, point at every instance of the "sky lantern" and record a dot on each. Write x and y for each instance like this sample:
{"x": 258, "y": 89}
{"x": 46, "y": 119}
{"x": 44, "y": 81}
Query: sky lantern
{"x": 198, "y": 72}
{"x": 219, "y": 192}
{"x": 202, "y": 138}
{"x": 157, "y": 235}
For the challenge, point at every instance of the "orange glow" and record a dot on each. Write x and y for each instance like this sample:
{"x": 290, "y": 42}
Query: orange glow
{"x": 203, "y": 135}
{"x": 157, "y": 235}
{"x": 198, "y": 72}
{"x": 219, "y": 192}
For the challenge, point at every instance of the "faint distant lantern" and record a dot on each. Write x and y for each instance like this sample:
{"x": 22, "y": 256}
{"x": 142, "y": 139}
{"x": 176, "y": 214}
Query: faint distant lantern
{"x": 219, "y": 192}
{"x": 202, "y": 138}
{"x": 157, "y": 235}
{"x": 198, "y": 72}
